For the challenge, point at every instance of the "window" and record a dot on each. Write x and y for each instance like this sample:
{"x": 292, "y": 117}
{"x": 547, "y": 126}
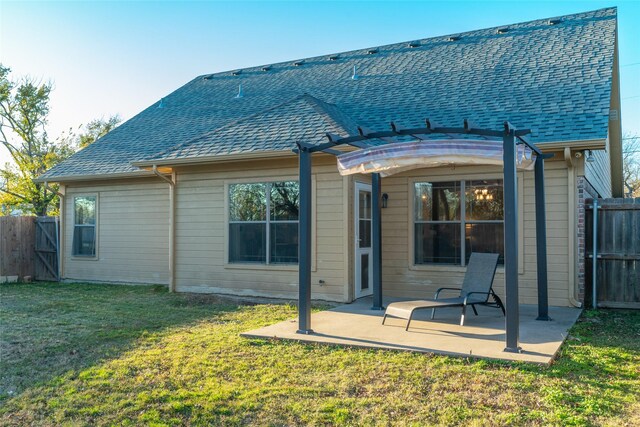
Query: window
{"x": 263, "y": 223}
{"x": 84, "y": 226}
{"x": 453, "y": 219}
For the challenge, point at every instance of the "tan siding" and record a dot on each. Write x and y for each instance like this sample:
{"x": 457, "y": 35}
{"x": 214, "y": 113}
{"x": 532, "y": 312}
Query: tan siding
{"x": 133, "y": 231}
{"x": 201, "y": 232}
{"x": 401, "y": 278}
{"x": 133, "y": 227}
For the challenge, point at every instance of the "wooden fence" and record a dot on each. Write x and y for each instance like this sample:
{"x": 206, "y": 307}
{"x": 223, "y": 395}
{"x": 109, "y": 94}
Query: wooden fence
{"x": 17, "y": 247}
{"x": 29, "y": 248}
{"x": 617, "y": 255}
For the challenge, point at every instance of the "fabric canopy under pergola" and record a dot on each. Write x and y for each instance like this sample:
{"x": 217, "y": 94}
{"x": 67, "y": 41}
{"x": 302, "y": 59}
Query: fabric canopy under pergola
{"x": 399, "y": 157}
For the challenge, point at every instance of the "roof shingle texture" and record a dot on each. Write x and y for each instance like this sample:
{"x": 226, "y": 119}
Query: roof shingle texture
{"x": 553, "y": 79}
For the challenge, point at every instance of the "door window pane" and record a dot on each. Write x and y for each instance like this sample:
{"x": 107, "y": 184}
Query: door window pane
{"x": 247, "y": 202}
{"x": 284, "y": 243}
{"x": 437, "y": 201}
{"x": 247, "y": 242}
{"x": 437, "y": 243}
{"x": 364, "y": 271}
{"x": 364, "y": 204}
{"x": 364, "y": 233}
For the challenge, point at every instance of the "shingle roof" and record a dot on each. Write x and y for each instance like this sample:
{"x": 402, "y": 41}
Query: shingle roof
{"x": 304, "y": 118}
{"x": 554, "y": 79}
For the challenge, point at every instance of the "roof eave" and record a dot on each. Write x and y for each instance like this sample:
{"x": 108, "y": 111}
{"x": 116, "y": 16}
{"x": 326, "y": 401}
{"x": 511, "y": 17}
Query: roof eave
{"x": 584, "y": 144}
{"x": 92, "y": 177}
{"x": 588, "y": 144}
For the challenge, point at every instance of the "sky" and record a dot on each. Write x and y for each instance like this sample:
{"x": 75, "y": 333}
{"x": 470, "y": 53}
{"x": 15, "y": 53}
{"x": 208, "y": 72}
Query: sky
{"x": 107, "y": 57}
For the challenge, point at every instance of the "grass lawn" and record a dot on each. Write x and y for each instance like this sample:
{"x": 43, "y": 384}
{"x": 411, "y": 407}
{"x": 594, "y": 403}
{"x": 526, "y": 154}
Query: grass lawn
{"x": 74, "y": 354}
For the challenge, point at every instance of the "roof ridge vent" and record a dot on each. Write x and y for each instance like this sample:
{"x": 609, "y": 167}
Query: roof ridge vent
{"x": 209, "y": 77}
{"x": 414, "y": 44}
{"x": 453, "y": 38}
{"x": 236, "y": 72}
{"x": 334, "y": 57}
{"x": 554, "y": 21}
{"x": 373, "y": 51}
{"x": 502, "y": 30}
{"x": 298, "y": 63}
{"x": 354, "y": 76}
{"x": 267, "y": 68}
{"x": 240, "y": 92}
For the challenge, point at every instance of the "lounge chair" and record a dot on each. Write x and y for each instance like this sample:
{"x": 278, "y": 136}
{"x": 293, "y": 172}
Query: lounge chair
{"x": 476, "y": 289}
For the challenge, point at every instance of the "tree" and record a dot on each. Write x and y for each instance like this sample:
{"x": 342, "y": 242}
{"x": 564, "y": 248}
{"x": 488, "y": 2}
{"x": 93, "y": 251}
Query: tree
{"x": 24, "y": 109}
{"x": 90, "y": 132}
{"x": 631, "y": 165}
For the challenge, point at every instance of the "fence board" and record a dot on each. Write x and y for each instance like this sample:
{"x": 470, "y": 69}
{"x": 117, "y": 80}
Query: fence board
{"x": 618, "y": 253}
{"x": 17, "y": 239}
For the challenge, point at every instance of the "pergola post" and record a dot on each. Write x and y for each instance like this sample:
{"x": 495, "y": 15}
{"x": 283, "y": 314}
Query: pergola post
{"x": 511, "y": 242}
{"x": 376, "y": 239}
{"x": 304, "y": 242}
{"x": 541, "y": 241}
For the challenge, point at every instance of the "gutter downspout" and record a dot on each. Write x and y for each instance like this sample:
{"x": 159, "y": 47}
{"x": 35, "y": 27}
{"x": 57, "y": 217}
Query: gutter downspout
{"x": 571, "y": 200}
{"x": 172, "y": 209}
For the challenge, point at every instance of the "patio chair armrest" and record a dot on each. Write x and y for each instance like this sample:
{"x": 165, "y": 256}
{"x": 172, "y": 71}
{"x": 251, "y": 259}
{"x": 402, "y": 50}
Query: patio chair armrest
{"x": 445, "y": 289}
{"x": 466, "y": 297}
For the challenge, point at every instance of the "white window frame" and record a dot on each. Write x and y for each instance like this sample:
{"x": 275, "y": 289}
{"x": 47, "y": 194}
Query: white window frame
{"x": 95, "y": 226}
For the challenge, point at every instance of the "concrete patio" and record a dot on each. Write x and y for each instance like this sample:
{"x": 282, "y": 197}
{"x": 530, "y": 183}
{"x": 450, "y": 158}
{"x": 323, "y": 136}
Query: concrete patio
{"x": 483, "y": 336}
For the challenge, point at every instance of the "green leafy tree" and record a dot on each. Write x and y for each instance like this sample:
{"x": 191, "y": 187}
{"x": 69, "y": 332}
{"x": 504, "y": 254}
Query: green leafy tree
{"x": 90, "y": 133}
{"x": 24, "y": 109}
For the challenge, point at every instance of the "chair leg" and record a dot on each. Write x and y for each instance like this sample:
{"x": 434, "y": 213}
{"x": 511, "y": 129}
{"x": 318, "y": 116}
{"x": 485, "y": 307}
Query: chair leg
{"x": 384, "y": 318}
{"x": 474, "y": 309}
{"x": 433, "y": 313}
{"x": 500, "y": 304}
{"x": 409, "y": 321}
{"x": 464, "y": 310}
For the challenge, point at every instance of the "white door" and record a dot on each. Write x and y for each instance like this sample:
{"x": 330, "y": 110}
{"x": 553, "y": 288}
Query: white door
{"x": 364, "y": 270}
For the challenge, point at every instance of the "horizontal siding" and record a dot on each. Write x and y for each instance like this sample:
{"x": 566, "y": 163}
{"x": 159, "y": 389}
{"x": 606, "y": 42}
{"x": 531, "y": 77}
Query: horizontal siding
{"x": 201, "y": 233}
{"x": 401, "y": 279}
{"x": 133, "y": 230}
{"x": 598, "y": 172}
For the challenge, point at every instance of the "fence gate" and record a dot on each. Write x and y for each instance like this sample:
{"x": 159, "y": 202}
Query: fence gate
{"x": 617, "y": 255}
{"x": 47, "y": 243}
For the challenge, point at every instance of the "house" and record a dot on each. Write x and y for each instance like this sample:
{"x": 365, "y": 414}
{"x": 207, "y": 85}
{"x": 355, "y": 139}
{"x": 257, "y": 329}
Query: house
{"x": 199, "y": 191}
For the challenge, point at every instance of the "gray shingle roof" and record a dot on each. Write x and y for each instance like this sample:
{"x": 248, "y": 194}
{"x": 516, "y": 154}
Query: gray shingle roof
{"x": 304, "y": 118}
{"x": 553, "y": 79}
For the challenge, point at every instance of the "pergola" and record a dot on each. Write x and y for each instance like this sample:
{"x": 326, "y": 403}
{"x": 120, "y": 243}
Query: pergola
{"x": 367, "y": 139}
